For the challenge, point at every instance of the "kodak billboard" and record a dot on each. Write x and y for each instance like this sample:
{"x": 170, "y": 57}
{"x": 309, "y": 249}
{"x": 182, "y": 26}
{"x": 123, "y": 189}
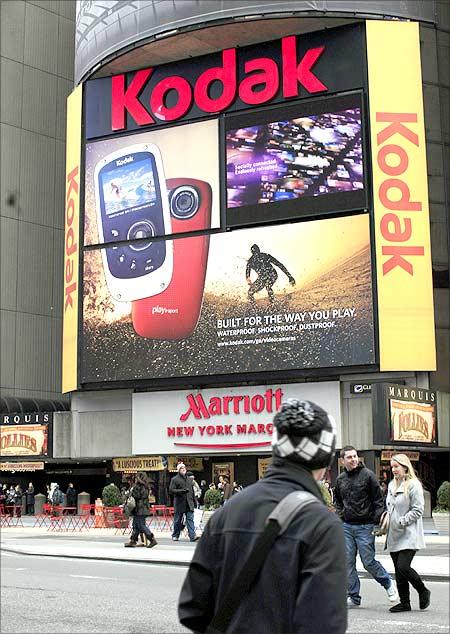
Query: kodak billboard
{"x": 400, "y": 192}
{"x": 71, "y": 242}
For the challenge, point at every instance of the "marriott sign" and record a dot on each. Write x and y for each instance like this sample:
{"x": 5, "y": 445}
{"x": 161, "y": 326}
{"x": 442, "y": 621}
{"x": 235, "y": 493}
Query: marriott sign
{"x": 219, "y": 421}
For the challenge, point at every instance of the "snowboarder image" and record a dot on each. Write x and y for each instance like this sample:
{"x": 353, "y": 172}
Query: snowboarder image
{"x": 263, "y": 265}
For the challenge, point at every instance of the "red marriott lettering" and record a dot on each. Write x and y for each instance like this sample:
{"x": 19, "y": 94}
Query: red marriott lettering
{"x": 261, "y": 82}
{"x": 396, "y": 225}
{"x": 270, "y": 402}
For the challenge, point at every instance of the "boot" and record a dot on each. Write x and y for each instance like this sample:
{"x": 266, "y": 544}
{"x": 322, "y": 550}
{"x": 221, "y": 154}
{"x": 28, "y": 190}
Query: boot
{"x": 151, "y": 542}
{"x": 130, "y": 544}
{"x": 424, "y": 599}
{"x": 401, "y": 607}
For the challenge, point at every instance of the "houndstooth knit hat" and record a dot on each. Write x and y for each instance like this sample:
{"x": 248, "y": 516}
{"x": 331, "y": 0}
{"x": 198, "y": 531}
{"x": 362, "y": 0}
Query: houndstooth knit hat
{"x": 303, "y": 432}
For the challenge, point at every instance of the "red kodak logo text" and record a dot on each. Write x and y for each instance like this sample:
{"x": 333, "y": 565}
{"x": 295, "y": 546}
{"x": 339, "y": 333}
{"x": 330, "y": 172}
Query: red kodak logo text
{"x": 260, "y": 84}
{"x": 71, "y": 246}
{"x": 396, "y": 225}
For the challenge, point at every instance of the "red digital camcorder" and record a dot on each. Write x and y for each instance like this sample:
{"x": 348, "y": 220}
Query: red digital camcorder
{"x": 174, "y": 313}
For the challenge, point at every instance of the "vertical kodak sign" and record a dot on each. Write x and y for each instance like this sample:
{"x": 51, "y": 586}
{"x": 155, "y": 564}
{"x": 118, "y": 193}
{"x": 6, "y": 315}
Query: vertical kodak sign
{"x": 400, "y": 191}
{"x": 71, "y": 242}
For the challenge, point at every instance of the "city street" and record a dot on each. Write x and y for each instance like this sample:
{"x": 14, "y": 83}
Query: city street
{"x": 224, "y": 359}
{"x": 41, "y": 594}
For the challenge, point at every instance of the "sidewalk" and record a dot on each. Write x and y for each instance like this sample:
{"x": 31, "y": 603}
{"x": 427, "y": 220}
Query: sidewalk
{"x": 432, "y": 565}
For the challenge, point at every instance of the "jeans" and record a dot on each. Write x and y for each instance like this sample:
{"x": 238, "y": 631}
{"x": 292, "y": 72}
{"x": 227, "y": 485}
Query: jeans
{"x": 178, "y": 524}
{"x": 404, "y": 574}
{"x": 139, "y": 526}
{"x": 359, "y": 538}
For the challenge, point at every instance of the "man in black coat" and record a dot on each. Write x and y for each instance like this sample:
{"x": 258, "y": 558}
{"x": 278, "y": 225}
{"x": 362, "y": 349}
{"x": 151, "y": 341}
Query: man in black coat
{"x": 29, "y": 497}
{"x": 359, "y": 503}
{"x": 301, "y": 586}
{"x": 181, "y": 487}
{"x": 71, "y": 498}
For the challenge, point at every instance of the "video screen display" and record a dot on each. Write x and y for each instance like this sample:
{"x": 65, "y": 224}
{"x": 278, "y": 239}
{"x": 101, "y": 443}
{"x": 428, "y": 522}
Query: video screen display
{"x": 128, "y": 186}
{"x": 262, "y": 299}
{"x": 300, "y": 160}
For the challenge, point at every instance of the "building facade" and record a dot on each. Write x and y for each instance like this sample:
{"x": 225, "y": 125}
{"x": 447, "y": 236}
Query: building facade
{"x": 234, "y": 159}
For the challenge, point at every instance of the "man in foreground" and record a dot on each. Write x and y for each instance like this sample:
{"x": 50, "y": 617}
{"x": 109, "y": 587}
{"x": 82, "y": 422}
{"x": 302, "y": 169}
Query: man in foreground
{"x": 301, "y": 586}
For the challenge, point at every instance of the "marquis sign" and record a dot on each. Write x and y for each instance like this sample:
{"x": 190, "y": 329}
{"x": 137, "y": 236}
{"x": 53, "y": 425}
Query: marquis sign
{"x": 404, "y": 415}
{"x": 19, "y": 418}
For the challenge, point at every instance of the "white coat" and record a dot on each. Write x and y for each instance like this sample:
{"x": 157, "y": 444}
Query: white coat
{"x": 406, "y": 510}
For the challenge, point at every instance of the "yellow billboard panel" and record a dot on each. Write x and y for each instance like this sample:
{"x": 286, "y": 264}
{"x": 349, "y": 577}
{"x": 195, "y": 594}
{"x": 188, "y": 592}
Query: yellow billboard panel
{"x": 400, "y": 190}
{"x": 72, "y": 242}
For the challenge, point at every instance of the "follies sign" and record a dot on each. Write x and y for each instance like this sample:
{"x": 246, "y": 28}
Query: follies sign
{"x": 404, "y": 415}
{"x": 24, "y": 440}
{"x": 261, "y": 299}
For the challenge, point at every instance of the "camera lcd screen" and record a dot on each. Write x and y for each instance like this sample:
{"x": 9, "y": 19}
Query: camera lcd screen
{"x": 127, "y": 186}
{"x": 301, "y": 160}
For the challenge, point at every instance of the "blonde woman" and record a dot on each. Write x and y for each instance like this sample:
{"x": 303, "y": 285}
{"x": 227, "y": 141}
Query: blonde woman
{"x": 405, "y": 505}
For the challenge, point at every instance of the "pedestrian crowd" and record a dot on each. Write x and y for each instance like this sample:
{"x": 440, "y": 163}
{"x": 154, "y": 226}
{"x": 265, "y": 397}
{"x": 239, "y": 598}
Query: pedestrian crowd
{"x": 13, "y": 496}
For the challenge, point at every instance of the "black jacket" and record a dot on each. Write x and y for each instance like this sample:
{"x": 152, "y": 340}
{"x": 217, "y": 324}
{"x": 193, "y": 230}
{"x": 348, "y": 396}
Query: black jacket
{"x": 201, "y": 499}
{"x": 357, "y": 496}
{"x": 183, "y": 493}
{"x": 71, "y": 496}
{"x": 140, "y": 493}
{"x": 29, "y": 494}
{"x": 302, "y": 586}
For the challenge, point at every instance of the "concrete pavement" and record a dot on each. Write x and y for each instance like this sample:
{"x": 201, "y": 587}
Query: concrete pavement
{"x": 433, "y": 563}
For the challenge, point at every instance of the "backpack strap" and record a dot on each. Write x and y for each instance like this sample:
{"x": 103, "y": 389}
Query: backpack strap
{"x": 289, "y": 507}
{"x": 276, "y": 524}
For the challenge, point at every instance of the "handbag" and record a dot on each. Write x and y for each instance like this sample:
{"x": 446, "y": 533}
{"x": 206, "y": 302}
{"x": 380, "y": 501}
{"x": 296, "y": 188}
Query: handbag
{"x": 277, "y": 522}
{"x": 383, "y": 526}
{"x": 129, "y": 506}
